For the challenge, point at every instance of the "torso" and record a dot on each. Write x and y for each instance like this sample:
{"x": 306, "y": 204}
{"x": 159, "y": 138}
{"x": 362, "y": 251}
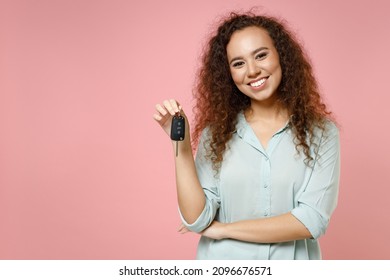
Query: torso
{"x": 265, "y": 129}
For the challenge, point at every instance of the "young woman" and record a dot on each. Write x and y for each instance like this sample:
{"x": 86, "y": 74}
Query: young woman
{"x": 265, "y": 180}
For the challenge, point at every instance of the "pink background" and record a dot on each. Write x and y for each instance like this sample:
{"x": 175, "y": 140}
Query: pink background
{"x": 85, "y": 173}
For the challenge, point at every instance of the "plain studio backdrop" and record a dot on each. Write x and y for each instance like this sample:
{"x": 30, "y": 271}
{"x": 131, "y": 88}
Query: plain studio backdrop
{"x": 86, "y": 173}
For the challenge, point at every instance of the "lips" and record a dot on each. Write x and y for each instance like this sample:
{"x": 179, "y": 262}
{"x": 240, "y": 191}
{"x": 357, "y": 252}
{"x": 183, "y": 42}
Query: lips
{"x": 258, "y": 83}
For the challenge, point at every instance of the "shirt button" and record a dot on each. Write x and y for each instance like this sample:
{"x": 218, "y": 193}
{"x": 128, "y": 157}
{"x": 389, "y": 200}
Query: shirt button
{"x": 265, "y": 186}
{"x": 266, "y": 213}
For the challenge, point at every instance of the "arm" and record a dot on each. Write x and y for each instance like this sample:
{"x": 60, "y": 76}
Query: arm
{"x": 191, "y": 197}
{"x": 280, "y": 228}
{"x": 310, "y": 218}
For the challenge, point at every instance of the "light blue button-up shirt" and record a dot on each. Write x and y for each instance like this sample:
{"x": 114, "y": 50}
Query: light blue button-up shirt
{"x": 254, "y": 183}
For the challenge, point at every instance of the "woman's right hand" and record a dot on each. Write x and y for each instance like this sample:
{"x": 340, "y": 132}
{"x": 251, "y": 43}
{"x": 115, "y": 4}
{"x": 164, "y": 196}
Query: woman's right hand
{"x": 165, "y": 112}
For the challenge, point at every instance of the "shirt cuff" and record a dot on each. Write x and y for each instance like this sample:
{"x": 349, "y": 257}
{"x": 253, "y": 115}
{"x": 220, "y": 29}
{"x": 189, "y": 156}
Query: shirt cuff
{"x": 199, "y": 225}
{"x": 312, "y": 220}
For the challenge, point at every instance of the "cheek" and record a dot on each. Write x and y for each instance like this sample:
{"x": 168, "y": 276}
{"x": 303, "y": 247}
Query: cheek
{"x": 278, "y": 72}
{"x": 275, "y": 69}
{"x": 236, "y": 76}
{"x": 273, "y": 65}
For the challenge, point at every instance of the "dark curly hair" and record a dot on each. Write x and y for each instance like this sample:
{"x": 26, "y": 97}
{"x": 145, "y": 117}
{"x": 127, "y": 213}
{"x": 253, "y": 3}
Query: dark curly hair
{"x": 218, "y": 100}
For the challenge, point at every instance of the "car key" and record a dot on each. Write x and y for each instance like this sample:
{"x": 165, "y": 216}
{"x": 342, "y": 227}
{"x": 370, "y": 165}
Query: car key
{"x": 177, "y": 130}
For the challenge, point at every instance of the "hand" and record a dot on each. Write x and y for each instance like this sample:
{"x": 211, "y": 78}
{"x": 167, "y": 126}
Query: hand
{"x": 183, "y": 229}
{"x": 215, "y": 231}
{"x": 165, "y": 113}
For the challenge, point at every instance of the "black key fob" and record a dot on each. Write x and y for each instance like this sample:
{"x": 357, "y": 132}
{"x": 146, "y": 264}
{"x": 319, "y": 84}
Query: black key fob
{"x": 178, "y": 128}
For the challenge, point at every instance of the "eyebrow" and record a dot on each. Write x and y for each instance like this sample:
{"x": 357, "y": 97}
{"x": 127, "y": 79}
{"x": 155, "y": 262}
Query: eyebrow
{"x": 253, "y": 53}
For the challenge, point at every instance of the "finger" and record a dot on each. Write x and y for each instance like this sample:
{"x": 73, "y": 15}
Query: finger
{"x": 180, "y": 227}
{"x": 167, "y": 104}
{"x": 183, "y": 229}
{"x": 174, "y": 105}
{"x": 161, "y": 110}
{"x": 157, "y": 117}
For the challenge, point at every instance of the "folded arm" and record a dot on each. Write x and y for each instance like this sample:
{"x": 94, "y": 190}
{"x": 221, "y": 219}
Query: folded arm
{"x": 280, "y": 228}
{"x": 310, "y": 217}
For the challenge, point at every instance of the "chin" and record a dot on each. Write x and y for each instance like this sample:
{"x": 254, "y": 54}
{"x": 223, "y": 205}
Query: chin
{"x": 261, "y": 97}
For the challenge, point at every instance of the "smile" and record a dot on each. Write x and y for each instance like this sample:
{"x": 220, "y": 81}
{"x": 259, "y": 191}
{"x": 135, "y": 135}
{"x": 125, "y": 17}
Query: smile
{"x": 258, "y": 83}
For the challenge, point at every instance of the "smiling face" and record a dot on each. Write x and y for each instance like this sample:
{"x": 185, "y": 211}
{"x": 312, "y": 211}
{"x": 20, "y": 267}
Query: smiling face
{"x": 254, "y": 63}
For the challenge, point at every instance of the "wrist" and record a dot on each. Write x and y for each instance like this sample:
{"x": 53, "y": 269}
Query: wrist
{"x": 224, "y": 231}
{"x": 183, "y": 147}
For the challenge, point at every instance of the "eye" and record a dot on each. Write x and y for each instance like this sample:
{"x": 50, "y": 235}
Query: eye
{"x": 238, "y": 64}
{"x": 261, "y": 55}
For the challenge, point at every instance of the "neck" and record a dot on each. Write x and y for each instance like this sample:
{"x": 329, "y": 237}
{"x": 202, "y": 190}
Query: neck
{"x": 269, "y": 110}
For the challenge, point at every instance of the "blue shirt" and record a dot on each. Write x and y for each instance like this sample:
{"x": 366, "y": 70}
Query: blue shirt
{"x": 255, "y": 183}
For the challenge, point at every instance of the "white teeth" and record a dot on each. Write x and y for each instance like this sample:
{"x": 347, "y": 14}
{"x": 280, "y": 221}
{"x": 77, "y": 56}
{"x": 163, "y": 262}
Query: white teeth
{"x": 258, "y": 83}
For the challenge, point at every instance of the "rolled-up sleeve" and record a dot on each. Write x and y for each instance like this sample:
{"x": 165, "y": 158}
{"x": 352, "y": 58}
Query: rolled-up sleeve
{"x": 209, "y": 182}
{"x": 319, "y": 198}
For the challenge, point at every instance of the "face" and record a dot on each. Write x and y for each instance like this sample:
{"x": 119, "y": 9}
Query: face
{"x": 254, "y": 63}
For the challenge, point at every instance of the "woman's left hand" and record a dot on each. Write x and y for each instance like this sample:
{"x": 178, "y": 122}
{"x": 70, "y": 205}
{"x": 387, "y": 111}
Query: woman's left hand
{"x": 182, "y": 229}
{"x": 214, "y": 231}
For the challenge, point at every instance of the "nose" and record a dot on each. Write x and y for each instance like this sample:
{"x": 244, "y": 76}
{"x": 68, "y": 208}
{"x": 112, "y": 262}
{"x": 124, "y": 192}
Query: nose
{"x": 253, "y": 69}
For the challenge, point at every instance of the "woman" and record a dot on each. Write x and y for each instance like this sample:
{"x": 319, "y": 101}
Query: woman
{"x": 265, "y": 180}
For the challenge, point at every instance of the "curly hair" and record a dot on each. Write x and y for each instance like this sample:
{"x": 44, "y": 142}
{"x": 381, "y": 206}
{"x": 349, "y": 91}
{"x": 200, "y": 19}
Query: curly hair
{"x": 218, "y": 100}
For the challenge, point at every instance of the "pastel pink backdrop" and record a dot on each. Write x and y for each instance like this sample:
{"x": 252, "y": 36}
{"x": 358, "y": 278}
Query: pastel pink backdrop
{"x": 85, "y": 173}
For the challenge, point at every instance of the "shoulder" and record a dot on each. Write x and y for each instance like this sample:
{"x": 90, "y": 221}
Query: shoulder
{"x": 205, "y": 135}
{"x": 204, "y": 141}
{"x": 327, "y": 128}
{"x": 331, "y": 129}
{"x": 327, "y": 135}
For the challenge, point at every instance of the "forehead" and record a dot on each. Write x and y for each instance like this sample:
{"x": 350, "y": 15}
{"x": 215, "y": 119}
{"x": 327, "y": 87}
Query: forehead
{"x": 246, "y": 40}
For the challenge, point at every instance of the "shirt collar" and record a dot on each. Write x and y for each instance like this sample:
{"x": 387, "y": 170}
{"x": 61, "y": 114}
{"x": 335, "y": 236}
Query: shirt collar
{"x": 243, "y": 126}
